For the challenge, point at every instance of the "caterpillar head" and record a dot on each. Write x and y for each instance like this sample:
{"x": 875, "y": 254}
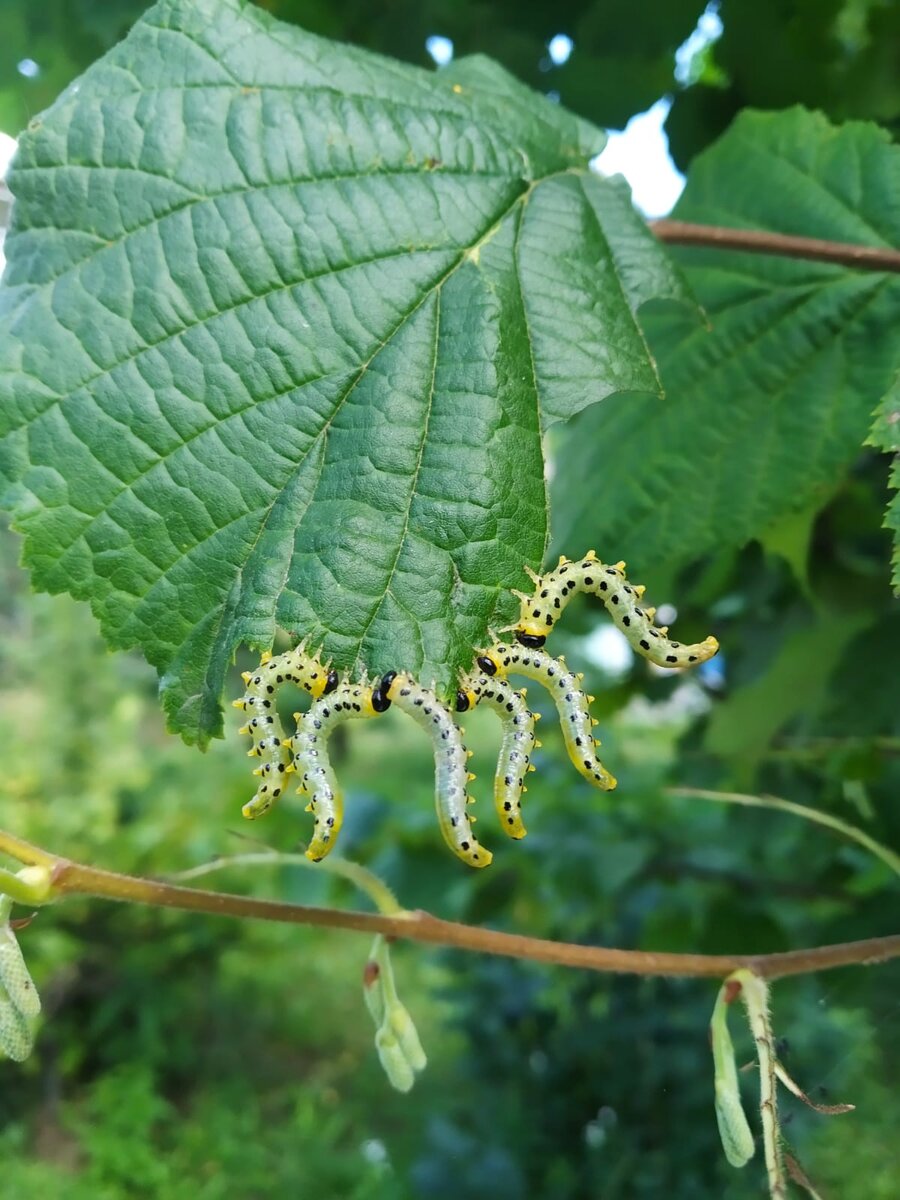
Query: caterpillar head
{"x": 466, "y": 697}
{"x": 325, "y": 684}
{"x": 491, "y": 661}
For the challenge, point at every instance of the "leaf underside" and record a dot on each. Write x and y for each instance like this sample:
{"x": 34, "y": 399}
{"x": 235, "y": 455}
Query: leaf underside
{"x": 764, "y": 414}
{"x": 283, "y": 323}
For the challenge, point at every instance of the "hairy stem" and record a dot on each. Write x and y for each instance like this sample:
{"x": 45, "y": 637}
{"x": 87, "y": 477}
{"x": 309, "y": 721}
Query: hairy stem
{"x": 71, "y": 878}
{"x": 757, "y": 241}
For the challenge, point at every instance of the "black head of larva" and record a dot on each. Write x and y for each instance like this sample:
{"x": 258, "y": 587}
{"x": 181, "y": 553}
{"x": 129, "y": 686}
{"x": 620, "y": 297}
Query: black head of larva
{"x": 534, "y": 641}
{"x": 487, "y": 664}
{"x": 462, "y": 702}
{"x": 381, "y": 701}
{"x": 331, "y": 682}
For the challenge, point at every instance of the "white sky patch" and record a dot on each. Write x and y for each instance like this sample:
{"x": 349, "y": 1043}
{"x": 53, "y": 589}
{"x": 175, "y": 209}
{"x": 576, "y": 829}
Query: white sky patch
{"x": 607, "y": 648}
{"x": 29, "y": 68}
{"x": 440, "y": 48}
{"x": 7, "y": 150}
{"x": 641, "y": 153}
{"x": 560, "y": 48}
{"x": 709, "y": 29}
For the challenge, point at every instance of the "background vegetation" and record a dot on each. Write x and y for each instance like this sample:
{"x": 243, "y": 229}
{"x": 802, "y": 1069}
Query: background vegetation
{"x": 193, "y": 1057}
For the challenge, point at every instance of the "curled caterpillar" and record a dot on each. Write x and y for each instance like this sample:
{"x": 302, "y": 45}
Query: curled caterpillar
{"x": 552, "y": 592}
{"x": 294, "y": 666}
{"x": 348, "y": 702}
{"x": 451, "y": 772}
{"x": 514, "y": 761}
{"x": 571, "y": 702}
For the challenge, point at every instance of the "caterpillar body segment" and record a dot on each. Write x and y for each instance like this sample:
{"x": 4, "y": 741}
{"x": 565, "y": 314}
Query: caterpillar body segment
{"x": 451, "y": 771}
{"x": 346, "y": 702}
{"x": 572, "y": 704}
{"x": 514, "y": 761}
{"x": 552, "y": 592}
{"x": 294, "y": 666}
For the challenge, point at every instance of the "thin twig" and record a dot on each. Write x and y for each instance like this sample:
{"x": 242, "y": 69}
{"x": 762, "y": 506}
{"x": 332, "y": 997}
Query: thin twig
{"x": 757, "y": 241}
{"x": 797, "y": 810}
{"x": 76, "y": 879}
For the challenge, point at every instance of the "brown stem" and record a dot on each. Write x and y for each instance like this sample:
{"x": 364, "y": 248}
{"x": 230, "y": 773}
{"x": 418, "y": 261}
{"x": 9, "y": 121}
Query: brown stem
{"x": 75, "y": 879}
{"x": 757, "y": 241}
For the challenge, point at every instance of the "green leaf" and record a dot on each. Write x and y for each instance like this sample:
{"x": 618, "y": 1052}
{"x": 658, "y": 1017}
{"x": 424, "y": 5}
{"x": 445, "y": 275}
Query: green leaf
{"x": 283, "y": 324}
{"x": 762, "y": 415}
{"x": 885, "y": 435}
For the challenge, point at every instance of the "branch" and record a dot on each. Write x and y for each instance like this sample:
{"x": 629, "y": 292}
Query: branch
{"x": 69, "y": 878}
{"x": 756, "y": 241}
{"x": 798, "y": 810}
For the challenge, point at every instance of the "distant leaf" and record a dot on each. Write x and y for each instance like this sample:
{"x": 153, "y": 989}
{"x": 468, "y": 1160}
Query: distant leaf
{"x": 283, "y": 324}
{"x": 886, "y": 436}
{"x": 762, "y": 415}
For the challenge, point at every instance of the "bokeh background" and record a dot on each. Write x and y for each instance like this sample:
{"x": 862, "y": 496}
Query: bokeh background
{"x": 187, "y": 1056}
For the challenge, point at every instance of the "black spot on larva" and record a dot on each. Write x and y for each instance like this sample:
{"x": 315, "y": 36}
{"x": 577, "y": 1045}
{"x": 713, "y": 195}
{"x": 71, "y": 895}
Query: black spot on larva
{"x": 578, "y": 741}
{"x": 418, "y": 702}
{"x": 556, "y": 602}
{"x": 281, "y": 768}
{"x": 269, "y": 688}
{"x": 588, "y": 580}
{"x": 330, "y": 683}
{"x": 614, "y": 598}
{"x": 603, "y": 585}
{"x": 544, "y": 594}
{"x": 587, "y": 763}
{"x": 464, "y": 845}
{"x": 626, "y": 620}
{"x": 569, "y": 695}
{"x": 453, "y": 822}
{"x": 692, "y": 658}
{"x": 671, "y": 658}
{"x": 533, "y": 641}
{"x": 653, "y": 633}
{"x": 645, "y": 645}
{"x": 510, "y": 820}
{"x": 487, "y": 664}
{"x": 462, "y": 702}
{"x": 551, "y": 671}
{"x": 507, "y": 781}
{"x": 536, "y": 612}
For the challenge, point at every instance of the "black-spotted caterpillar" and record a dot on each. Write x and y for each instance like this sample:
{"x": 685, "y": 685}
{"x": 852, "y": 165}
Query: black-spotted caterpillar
{"x": 335, "y": 702}
{"x": 346, "y": 702}
{"x": 553, "y": 591}
{"x": 451, "y": 761}
{"x": 514, "y": 761}
{"x": 294, "y": 666}
{"x": 572, "y": 704}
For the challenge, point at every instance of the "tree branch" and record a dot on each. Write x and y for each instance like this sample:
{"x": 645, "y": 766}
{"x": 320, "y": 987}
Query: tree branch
{"x": 69, "y": 878}
{"x": 756, "y": 241}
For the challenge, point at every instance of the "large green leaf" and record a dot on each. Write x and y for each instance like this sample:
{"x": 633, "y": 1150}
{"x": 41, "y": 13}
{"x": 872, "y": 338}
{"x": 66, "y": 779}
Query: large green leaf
{"x": 762, "y": 415}
{"x": 282, "y": 326}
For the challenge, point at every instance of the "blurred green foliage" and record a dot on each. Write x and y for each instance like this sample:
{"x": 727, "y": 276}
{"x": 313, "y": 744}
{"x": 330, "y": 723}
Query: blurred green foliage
{"x": 840, "y": 56}
{"x": 185, "y": 1056}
